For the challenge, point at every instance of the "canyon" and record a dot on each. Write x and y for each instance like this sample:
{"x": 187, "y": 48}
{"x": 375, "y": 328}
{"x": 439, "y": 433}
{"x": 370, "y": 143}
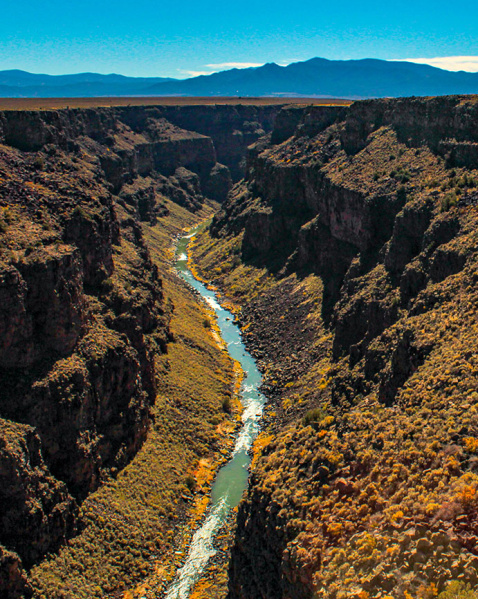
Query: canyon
{"x": 344, "y": 240}
{"x": 84, "y": 317}
{"x": 351, "y": 247}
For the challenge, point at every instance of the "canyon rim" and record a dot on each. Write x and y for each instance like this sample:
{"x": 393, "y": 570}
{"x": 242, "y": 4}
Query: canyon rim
{"x": 344, "y": 240}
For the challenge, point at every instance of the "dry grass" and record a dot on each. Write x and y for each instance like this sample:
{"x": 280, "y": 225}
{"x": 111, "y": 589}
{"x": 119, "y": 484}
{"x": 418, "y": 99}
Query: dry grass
{"x": 369, "y": 460}
{"x": 135, "y": 524}
{"x": 57, "y": 103}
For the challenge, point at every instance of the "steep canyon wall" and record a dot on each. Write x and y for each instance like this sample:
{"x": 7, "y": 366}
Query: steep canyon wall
{"x": 351, "y": 247}
{"x": 82, "y": 310}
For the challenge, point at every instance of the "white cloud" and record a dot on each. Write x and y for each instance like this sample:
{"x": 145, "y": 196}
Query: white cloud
{"x": 234, "y": 65}
{"x": 214, "y": 68}
{"x": 195, "y": 73}
{"x": 288, "y": 61}
{"x": 449, "y": 63}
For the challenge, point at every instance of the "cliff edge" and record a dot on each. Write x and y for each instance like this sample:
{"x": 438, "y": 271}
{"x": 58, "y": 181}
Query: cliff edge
{"x": 83, "y": 317}
{"x": 351, "y": 247}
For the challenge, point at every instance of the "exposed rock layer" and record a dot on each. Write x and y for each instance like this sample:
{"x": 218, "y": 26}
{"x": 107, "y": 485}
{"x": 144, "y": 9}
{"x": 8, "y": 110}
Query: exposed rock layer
{"x": 82, "y": 310}
{"x": 367, "y": 219}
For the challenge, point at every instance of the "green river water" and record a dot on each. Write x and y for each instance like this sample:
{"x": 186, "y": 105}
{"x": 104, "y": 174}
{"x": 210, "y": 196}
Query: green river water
{"x": 232, "y": 478}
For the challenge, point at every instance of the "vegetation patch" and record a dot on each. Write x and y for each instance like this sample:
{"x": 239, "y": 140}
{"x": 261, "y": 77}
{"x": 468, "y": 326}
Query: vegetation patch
{"x": 366, "y": 486}
{"x": 134, "y": 524}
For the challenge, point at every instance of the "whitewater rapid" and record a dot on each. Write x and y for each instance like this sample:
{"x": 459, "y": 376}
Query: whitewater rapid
{"x": 232, "y": 478}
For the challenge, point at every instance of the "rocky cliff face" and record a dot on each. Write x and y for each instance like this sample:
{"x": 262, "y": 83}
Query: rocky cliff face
{"x": 38, "y": 513}
{"x": 76, "y": 350}
{"x": 82, "y": 312}
{"x": 357, "y": 229}
{"x": 231, "y": 128}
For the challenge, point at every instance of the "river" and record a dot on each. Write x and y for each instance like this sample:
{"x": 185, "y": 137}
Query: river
{"x": 231, "y": 480}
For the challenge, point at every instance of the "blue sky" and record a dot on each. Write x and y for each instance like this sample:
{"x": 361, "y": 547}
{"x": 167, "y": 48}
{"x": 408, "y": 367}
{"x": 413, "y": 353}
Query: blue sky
{"x": 179, "y": 39}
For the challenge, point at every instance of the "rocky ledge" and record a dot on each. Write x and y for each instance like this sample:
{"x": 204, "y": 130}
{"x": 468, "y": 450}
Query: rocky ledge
{"x": 82, "y": 311}
{"x": 354, "y": 239}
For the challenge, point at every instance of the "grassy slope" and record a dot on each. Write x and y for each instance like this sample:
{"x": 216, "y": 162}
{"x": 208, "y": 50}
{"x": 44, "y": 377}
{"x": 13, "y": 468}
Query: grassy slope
{"x": 394, "y": 474}
{"x": 135, "y": 523}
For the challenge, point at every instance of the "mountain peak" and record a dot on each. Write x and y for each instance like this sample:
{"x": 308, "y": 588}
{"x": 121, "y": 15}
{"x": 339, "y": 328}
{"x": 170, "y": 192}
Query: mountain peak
{"x": 319, "y": 77}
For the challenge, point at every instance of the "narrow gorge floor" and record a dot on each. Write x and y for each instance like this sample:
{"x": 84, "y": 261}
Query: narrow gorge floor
{"x": 145, "y": 518}
{"x": 118, "y": 406}
{"x": 344, "y": 239}
{"x": 231, "y": 480}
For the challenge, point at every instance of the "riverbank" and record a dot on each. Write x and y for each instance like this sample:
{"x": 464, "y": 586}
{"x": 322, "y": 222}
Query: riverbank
{"x": 136, "y": 525}
{"x": 352, "y": 249}
{"x": 231, "y": 480}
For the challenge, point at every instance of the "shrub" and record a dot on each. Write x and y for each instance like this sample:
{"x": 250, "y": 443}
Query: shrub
{"x": 402, "y": 194}
{"x": 190, "y": 482}
{"x": 401, "y": 174}
{"x": 107, "y": 284}
{"x": 448, "y": 201}
{"x": 6, "y": 217}
{"x": 313, "y": 416}
{"x": 39, "y": 162}
{"x": 458, "y": 590}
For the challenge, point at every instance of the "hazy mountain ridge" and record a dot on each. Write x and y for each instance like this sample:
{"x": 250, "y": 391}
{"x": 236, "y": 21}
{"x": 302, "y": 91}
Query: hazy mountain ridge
{"x": 367, "y": 78}
{"x": 20, "y": 84}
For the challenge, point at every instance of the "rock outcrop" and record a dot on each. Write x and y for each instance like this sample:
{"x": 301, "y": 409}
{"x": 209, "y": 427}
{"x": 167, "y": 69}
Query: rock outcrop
{"x": 13, "y": 579}
{"x": 231, "y": 128}
{"x": 356, "y": 228}
{"x": 44, "y": 310}
{"x": 38, "y": 513}
{"x": 77, "y": 346}
{"x": 82, "y": 312}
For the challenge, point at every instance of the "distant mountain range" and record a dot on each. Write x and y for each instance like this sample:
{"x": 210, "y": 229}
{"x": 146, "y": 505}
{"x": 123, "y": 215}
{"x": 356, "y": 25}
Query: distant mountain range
{"x": 368, "y": 78}
{"x": 20, "y": 84}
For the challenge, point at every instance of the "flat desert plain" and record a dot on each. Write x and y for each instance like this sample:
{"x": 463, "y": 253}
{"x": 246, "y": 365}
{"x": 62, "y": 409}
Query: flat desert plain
{"x": 57, "y": 103}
